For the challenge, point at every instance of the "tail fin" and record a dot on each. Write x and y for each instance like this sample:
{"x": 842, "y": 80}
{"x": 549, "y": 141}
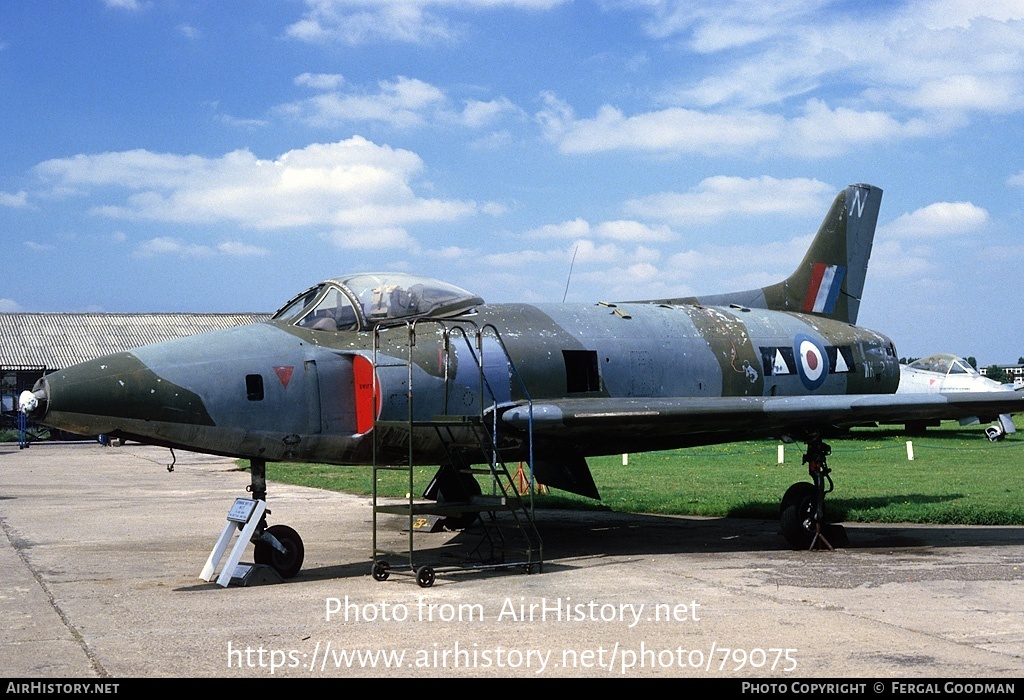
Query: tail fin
{"x": 830, "y": 279}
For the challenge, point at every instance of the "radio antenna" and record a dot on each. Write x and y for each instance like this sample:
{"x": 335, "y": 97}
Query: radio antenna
{"x": 570, "y": 273}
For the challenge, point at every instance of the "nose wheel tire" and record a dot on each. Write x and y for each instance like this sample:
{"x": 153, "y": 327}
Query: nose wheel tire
{"x": 287, "y": 564}
{"x": 797, "y": 518}
{"x": 796, "y": 515}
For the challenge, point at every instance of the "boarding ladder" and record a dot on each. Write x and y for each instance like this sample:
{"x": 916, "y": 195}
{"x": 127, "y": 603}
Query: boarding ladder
{"x": 503, "y": 533}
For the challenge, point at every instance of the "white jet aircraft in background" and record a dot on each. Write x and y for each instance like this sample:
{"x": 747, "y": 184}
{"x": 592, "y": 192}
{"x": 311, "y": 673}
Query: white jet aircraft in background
{"x": 947, "y": 373}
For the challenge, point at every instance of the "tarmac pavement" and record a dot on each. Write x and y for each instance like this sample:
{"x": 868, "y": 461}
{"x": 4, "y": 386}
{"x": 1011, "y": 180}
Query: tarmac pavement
{"x": 101, "y": 550}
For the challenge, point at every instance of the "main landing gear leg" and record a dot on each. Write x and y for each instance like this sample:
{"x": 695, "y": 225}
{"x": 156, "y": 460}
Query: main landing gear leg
{"x": 802, "y": 515}
{"x": 278, "y": 546}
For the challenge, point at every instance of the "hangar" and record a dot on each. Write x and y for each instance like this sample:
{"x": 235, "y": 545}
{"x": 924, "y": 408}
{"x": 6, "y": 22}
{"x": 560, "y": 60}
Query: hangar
{"x": 34, "y": 344}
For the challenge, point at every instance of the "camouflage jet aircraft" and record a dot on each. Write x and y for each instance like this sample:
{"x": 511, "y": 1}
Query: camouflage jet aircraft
{"x": 367, "y": 369}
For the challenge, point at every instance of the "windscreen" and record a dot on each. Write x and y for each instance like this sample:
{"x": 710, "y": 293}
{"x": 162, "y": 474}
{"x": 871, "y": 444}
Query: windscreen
{"x": 396, "y": 295}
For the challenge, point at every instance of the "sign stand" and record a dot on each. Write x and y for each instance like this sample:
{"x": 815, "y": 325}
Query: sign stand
{"x": 244, "y": 516}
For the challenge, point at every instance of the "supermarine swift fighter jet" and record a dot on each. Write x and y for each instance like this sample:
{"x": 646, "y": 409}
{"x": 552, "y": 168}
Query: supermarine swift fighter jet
{"x": 395, "y": 368}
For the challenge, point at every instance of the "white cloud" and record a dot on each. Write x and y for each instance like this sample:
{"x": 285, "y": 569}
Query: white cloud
{"x": 824, "y": 131}
{"x": 761, "y": 53}
{"x": 719, "y": 26}
{"x": 477, "y": 114}
{"x": 944, "y": 14}
{"x": 123, "y": 4}
{"x": 408, "y": 21}
{"x": 1016, "y": 180}
{"x": 9, "y": 306}
{"x": 452, "y": 252}
{"x": 820, "y": 131}
{"x": 671, "y": 130}
{"x": 939, "y": 220}
{"x": 241, "y": 250}
{"x": 166, "y": 246}
{"x": 618, "y": 282}
{"x": 590, "y": 253}
{"x": 718, "y": 268}
{"x": 766, "y": 51}
{"x": 633, "y": 232}
{"x": 18, "y": 200}
{"x": 1008, "y": 254}
{"x": 320, "y": 81}
{"x": 642, "y": 274}
{"x": 163, "y": 246}
{"x": 749, "y": 86}
{"x": 351, "y": 184}
{"x": 402, "y": 103}
{"x": 956, "y": 93}
{"x": 241, "y": 123}
{"x": 493, "y": 141}
{"x": 359, "y": 23}
{"x": 621, "y": 230}
{"x": 891, "y": 260}
{"x": 577, "y": 228}
{"x": 721, "y": 196}
{"x": 39, "y": 247}
{"x": 582, "y": 252}
{"x": 871, "y": 76}
{"x": 493, "y": 208}
{"x": 373, "y": 239}
{"x": 518, "y": 258}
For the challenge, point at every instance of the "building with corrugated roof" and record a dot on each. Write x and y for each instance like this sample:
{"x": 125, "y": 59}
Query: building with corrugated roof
{"x": 34, "y": 344}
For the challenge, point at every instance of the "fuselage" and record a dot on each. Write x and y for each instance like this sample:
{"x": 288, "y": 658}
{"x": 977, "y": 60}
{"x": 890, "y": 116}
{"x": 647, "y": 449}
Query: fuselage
{"x": 282, "y": 391}
{"x": 355, "y": 369}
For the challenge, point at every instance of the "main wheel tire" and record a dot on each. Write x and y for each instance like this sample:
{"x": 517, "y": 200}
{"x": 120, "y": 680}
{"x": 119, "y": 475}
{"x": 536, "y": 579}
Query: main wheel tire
{"x": 288, "y": 564}
{"x": 796, "y": 515}
{"x": 471, "y": 487}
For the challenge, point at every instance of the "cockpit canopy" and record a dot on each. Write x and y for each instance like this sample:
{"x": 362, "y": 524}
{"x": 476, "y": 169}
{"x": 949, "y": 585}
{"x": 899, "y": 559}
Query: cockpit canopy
{"x": 360, "y": 302}
{"x": 943, "y": 364}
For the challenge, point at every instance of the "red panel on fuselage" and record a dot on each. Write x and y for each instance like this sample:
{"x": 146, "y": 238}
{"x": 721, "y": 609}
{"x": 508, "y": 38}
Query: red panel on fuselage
{"x": 367, "y": 398}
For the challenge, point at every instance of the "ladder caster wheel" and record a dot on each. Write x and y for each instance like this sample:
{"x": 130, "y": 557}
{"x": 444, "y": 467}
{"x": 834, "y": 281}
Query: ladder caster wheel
{"x": 425, "y": 576}
{"x": 380, "y": 571}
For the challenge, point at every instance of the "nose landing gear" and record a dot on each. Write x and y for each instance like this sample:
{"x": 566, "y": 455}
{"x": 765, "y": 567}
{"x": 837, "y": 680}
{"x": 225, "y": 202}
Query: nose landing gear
{"x": 277, "y": 546}
{"x": 802, "y": 513}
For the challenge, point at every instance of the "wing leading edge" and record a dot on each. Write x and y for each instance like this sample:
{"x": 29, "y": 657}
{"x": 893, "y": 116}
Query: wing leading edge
{"x": 611, "y": 425}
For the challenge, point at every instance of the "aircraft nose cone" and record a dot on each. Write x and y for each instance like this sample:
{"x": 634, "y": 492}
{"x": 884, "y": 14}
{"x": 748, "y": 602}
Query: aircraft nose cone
{"x": 115, "y": 392}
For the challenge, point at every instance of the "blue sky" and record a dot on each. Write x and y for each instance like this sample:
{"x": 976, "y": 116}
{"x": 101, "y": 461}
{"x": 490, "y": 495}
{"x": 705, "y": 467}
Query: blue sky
{"x": 177, "y": 155}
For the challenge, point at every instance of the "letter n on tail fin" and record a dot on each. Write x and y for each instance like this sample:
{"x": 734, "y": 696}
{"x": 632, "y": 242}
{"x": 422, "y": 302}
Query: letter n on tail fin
{"x": 830, "y": 279}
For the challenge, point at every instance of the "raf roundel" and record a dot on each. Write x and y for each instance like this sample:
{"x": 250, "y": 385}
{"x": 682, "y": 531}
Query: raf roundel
{"x": 812, "y": 361}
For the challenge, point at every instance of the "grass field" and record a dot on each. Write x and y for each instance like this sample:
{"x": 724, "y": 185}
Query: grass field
{"x": 957, "y": 477}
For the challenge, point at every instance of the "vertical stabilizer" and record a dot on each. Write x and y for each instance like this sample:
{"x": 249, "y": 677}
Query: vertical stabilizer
{"x": 830, "y": 279}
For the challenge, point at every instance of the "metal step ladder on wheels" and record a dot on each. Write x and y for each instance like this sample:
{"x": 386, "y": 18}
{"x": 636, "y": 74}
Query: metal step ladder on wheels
{"x": 473, "y": 490}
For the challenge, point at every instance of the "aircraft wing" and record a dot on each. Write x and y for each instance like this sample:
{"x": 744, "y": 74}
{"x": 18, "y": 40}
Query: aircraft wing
{"x": 609, "y": 425}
